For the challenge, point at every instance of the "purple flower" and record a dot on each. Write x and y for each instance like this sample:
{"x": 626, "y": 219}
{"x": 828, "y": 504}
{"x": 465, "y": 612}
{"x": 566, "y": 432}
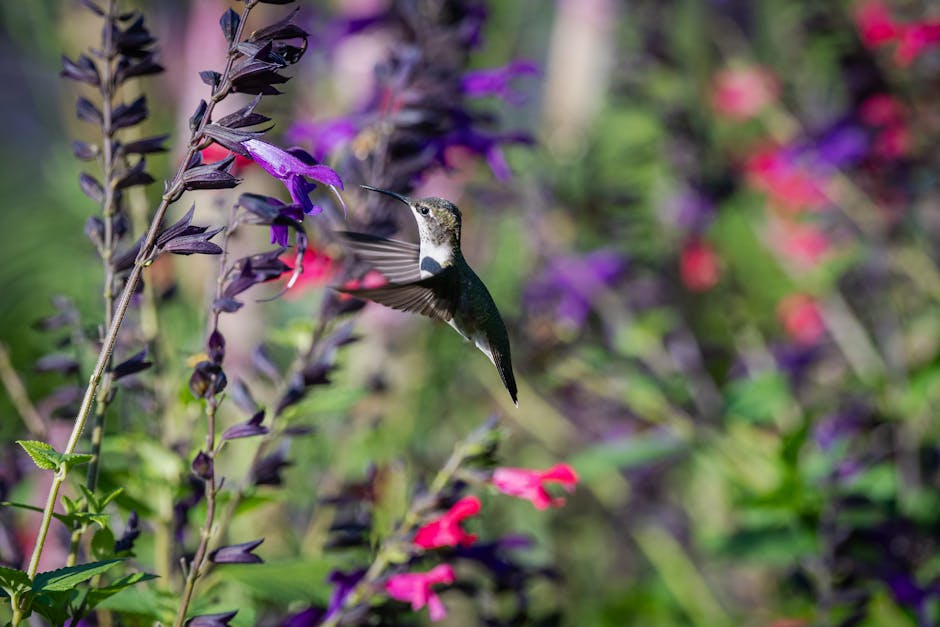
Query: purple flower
{"x": 344, "y": 584}
{"x": 293, "y": 166}
{"x": 569, "y": 284}
{"x": 323, "y": 137}
{"x": 497, "y": 81}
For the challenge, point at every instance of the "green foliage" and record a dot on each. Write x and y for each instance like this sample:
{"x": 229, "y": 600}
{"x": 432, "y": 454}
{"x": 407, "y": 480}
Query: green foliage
{"x": 47, "y": 458}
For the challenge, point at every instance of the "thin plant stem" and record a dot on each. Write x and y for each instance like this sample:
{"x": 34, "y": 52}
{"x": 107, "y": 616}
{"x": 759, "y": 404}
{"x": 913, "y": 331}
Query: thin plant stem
{"x": 13, "y": 384}
{"x": 174, "y": 191}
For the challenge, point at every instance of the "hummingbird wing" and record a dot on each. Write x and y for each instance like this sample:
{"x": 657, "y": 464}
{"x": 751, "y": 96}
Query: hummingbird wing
{"x": 434, "y": 297}
{"x": 397, "y": 261}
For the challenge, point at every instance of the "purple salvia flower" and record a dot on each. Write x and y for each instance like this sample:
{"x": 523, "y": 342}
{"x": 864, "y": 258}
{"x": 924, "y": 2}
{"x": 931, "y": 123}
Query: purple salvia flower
{"x": 497, "y": 81}
{"x": 570, "y": 284}
{"x": 293, "y": 167}
{"x": 237, "y": 553}
{"x": 324, "y": 138}
{"x": 344, "y": 584}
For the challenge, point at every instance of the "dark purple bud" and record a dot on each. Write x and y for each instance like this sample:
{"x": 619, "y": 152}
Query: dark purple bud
{"x": 125, "y": 260}
{"x": 94, "y": 230}
{"x": 196, "y": 119}
{"x": 265, "y": 208}
{"x": 246, "y": 429}
{"x": 88, "y": 112}
{"x": 284, "y": 29}
{"x": 135, "y": 176}
{"x": 135, "y": 364}
{"x": 275, "y": 1}
{"x": 194, "y": 244}
{"x": 344, "y": 584}
{"x": 244, "y": 116}
{"x": 212, "y": 620}
{"x": 208, "y": 379}
{"x": 133, "y": 41}
{"x": 91, "y": 187}
{"x": 310, "y": 617}
{"x": 268, "y": 470}
{"x": 126, "y": 68}
{"x": 216, "y": 347}
{"x": 131, "y": 533}
{"x": 237, "y": 553}
{"x": 84, "y": 150}
{"x": 66, "y": 364}
{"x": 145, "y": 146}
{"x": 202, "y": 466}
{"x": 82, "y": 70}
{"x": 125, "y": 115}
{"x": 211, "y": 176}
{"x": 210, "y": 77}
{"x": 229, "y": 23}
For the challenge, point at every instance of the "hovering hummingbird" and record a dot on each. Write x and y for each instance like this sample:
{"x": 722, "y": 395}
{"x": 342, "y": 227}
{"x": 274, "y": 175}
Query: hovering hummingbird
{"x": 433, "y": 279}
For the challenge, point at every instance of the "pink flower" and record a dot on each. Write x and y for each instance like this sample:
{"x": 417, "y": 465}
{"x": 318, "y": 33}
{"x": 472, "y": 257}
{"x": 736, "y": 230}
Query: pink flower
{"x": 530, "y": 484}
{"x": 445, "y": 530}
{"x": 318, "y": 267}
{"x": 875, "y": 25}
{"x": 698, "y": 266}
{"x": 741, "y": 93}
{"x": 371, "y": 279}
{"x": 914, "y": 40}
{"x": 415, "y": 588}
{"x": 789, "y": 185}
{"x": 881, "y": 110}
{"x": 214, "y": 153}
{"x": 801, "y": 319}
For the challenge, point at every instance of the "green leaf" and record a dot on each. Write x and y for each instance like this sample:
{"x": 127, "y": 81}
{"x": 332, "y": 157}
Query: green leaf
{"x": 69, "y": 520}
{"x": 76, "y": 459}
{"x": 43, "y": 455}
{"x": 69, "y": 577}
{"x": 13, "y": 581}
{"x": 97, "y": 595}
{"x": 54, "y": 606}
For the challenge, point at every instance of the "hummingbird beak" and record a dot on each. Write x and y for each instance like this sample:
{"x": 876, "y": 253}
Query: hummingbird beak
{"x": 387, "y": 193}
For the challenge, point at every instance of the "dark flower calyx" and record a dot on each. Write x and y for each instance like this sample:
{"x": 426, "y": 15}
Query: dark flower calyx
{"x": 82, "y": 70}
{"x": 251, "y": 428}
{"x": 237, "y": 553}
{"x": 222, "y": 619}
{"x": 202, "y": 466}
{"x": 137, "y": 363}
{"x": 211, "y": 176}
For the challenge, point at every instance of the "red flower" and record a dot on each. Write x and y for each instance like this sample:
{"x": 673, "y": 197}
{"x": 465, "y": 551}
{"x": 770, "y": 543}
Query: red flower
{"x": 875, "y": 25}
{"x": 881, "y": 110}
{"x": 877, "y": 28}
{"x": 214, "y": 152}
{"x": 317, "y": 270}
{"x": 530, "y": 484}
{"x": 741, "y": 93}
{"x": 698, "y": 266}
{"x": 445, "y": 530}
{"x": 801, "y": 319}
{"x": 415, "y": 588}
{"x": 785, "y": 181}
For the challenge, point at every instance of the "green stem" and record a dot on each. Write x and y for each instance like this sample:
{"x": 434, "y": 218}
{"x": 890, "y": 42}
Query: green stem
{"x": 174, "y": 191}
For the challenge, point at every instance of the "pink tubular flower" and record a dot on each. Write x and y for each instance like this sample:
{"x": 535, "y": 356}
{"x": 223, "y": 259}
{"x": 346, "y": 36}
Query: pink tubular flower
{"x": 318, "y": 268}
{"x": 803, "y": 244}
{"x": 875, "y": 25}
{"x": 698, "y": 266}
{"x": 214, "y": 153}
{"x": 415, "y": 588}
{"x": 530, "y": 484}
{"x": 445, "y": 530}
{"x": 801, "y": 319}
{"x": 741, "y": 93}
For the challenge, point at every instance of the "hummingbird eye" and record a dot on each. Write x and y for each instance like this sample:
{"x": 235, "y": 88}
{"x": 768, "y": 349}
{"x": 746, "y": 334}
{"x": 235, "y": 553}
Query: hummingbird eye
{"x": 424, "y": 211}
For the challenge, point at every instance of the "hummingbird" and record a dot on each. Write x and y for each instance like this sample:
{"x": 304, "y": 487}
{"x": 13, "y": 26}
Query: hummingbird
{"x": 433, "y": 279}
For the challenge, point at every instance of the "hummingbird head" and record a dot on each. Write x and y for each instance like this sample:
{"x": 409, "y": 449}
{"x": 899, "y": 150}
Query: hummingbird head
{"x": 438, "y": 219}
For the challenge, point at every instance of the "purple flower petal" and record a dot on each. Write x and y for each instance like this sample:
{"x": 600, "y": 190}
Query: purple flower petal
{"x": 282, "y": 164}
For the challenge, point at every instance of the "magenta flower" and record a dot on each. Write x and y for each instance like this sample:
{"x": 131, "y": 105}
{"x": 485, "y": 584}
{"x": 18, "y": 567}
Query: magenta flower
{"x": 529, "y": 484}
{"x": 293, "y": 166}
{"x": 415, "y": 588}
{"x": 445, "y": 530}
{"x": 497, "y": 81}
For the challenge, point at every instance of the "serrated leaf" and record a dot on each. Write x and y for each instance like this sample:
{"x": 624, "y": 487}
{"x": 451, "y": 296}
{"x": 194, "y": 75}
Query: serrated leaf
{"x": 53, "y": 605}
{"x": 97, "y": 595}
{"x": 69, "y": 577}
{"x": 76, "y": 459}
{"x": 43, "y": 455}
{"x": 13, "y": 581}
